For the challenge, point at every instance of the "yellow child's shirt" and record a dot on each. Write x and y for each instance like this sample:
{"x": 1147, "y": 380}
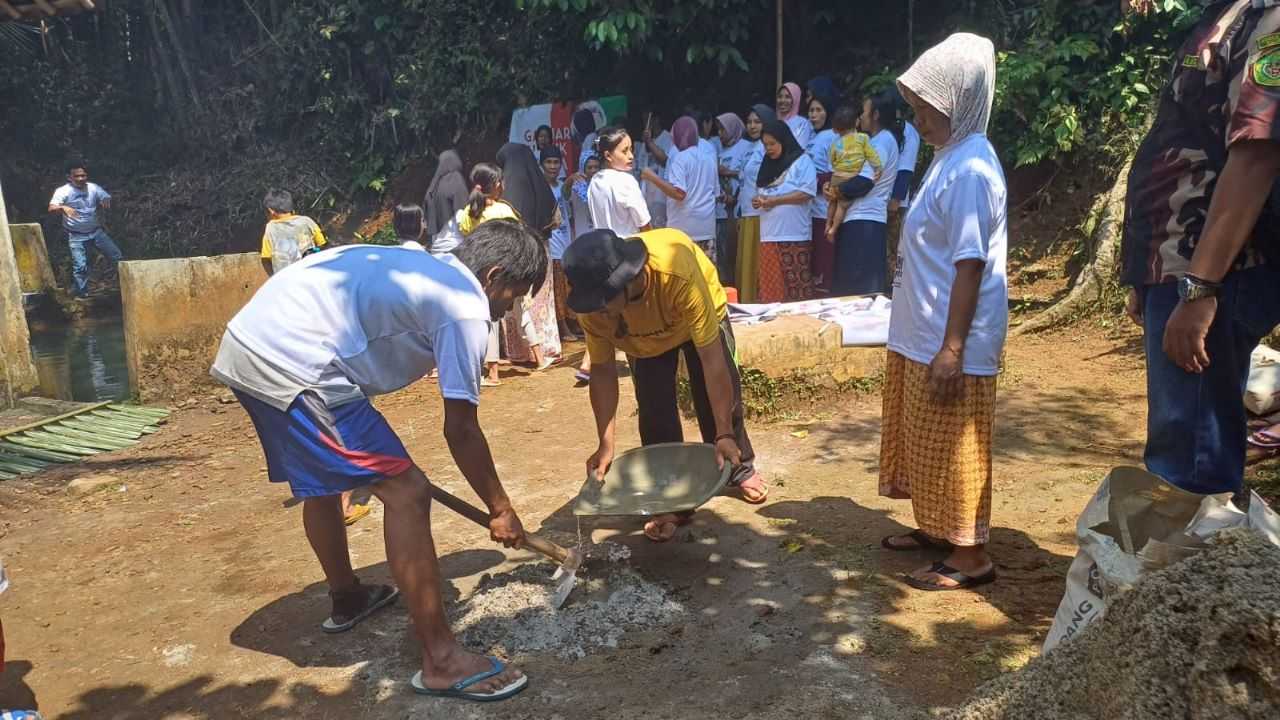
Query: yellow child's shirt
{"x": 683, "y": 301}
{"x": 288, "y": 237}
{"x": 496, "y": 210}
{"x": 849, "y": 153}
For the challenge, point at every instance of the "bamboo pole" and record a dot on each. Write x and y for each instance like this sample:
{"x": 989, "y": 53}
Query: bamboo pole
{"x": 778, "y": 84}
{"x": 87, "y": 4}
{"x": 56, "y": 418}
{"x": 9, "y": 8}
{"x": 46, "y": 7}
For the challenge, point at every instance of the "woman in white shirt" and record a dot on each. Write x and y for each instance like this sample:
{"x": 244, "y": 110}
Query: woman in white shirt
{"x": 691, "y": 186}
{"x": 861, "y": 266}
{"x": 789, "y": 108}
{"x": 614, "y": 196}
{"x": 747, "y": 272}
{"x": 787, "y": 183}
{"x": 821, "y": 108}
{"x": 653, "y": 154}
{"x": 734, "y": 153}
{"x": 949, "y": 320}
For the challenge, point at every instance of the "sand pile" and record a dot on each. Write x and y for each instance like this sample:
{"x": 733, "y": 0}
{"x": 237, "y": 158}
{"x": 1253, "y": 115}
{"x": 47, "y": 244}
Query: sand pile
{"x": 509, "y": 612}
{"x": 1199, "y": 640}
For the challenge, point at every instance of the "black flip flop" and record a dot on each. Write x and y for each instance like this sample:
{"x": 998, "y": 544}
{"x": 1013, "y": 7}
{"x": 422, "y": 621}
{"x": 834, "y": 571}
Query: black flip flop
{"x": 946, "y": 571}
{"x": 923, "y": 542}
{"x": 376, "y": 597}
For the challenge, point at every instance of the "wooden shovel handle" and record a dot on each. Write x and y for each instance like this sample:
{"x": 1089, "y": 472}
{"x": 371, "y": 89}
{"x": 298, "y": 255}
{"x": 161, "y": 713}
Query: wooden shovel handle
{"x": 481, "y": 518}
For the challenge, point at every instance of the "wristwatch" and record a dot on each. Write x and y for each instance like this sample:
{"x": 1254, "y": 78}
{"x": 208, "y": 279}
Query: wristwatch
{"x": 1192, "y": 288}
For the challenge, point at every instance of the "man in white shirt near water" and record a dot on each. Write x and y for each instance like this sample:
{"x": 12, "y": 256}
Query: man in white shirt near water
{"x": 304, "y": 356}
{"x": 78, "y": 202}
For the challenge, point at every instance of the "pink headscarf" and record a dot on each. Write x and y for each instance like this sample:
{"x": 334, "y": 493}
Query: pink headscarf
{"x": 685, "y": 132}
{"x": 733, "y": 126}
{"x": 793, "y": 90}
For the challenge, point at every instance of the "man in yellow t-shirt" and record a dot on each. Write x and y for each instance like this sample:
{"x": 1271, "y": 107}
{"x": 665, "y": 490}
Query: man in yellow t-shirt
{"x": 655, "y": 296}
{"x": 287, "y": 238}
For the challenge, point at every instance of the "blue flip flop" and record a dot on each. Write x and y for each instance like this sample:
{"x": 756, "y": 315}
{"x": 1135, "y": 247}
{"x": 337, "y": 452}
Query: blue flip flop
{"x": 458, "y": 690}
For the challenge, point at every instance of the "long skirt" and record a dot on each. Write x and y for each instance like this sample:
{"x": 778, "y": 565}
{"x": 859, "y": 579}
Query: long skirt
{"x": 938, "y": 454}
{"x": 785, "y": 272}
{"x": 561, "y": 290}
{"x": 748, "y": 270}
{"x": 861, "y": 258}
{"x": 533, "y": 322}
{"x": 824, "y": 250}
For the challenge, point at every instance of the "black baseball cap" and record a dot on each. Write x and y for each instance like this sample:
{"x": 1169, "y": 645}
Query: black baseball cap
{"x": 598, "y": 266}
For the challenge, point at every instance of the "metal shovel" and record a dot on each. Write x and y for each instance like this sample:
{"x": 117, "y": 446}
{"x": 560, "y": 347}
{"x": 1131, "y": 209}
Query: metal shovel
{"x": 569, "y": 560}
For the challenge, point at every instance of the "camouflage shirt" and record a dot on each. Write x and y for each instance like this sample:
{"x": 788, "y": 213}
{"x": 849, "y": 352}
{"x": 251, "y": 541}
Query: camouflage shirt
{"x": 1225, "y": 87}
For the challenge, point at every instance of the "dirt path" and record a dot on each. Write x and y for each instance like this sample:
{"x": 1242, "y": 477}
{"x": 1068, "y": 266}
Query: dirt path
{"x": 189, "y": 591}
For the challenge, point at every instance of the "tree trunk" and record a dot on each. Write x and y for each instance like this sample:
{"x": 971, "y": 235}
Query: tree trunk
{"x": 1093, "y": 280}
{"x": 159, "y": 59}
{"x": 179, "y": 51}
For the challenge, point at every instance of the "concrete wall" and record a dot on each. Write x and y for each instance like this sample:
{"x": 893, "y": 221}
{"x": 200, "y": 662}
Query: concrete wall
{"x": 17, "y": 373}
{"x": 798, "y": 344}
{"x": 32, "y": 255}
{"x": 175, "y": 312}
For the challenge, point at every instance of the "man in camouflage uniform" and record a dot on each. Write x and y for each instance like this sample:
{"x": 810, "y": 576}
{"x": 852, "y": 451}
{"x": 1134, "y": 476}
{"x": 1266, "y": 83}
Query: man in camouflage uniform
{"x": 1201, "y": 241}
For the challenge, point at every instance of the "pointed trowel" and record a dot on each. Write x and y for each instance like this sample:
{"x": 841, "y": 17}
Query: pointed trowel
{"x": 570, "y": 560}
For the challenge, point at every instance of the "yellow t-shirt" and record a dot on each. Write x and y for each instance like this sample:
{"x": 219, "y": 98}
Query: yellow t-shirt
{"x": 497, "y": 210}
{"x": 683, "y": 300}
{"x": 288, "y": 237}
{"x": 850, "y": 152}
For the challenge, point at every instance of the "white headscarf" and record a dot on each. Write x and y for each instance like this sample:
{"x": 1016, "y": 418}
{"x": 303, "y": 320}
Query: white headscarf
{"x": 958, "y": 77}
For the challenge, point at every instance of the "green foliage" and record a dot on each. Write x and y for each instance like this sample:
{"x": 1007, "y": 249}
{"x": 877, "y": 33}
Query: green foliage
{"x": 710, "y": 31}
{"x": 1083, "y": 77}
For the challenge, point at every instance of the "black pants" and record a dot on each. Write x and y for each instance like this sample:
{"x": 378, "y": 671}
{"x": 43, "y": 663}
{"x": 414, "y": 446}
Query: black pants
{"x": 655, "y": 381}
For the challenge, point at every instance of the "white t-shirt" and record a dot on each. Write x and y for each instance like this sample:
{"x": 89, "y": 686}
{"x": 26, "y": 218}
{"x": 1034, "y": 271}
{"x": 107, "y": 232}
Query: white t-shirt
{"x": 694, "y": 172}
{"x": 819, "y": 151}
{"x": 733, "y": 158}
{"x": 750, "y": 170}
{"x": 369, "y": 316}
{"x": 875, "y": 204}
{"x": 802, "y": 129}
{"x": 616, "y": 202}
{"x": 959, "y": 214}
{"x": 645, "y": 159}
{"x": 910, "y": 148}
{"x": 790, "y": 223}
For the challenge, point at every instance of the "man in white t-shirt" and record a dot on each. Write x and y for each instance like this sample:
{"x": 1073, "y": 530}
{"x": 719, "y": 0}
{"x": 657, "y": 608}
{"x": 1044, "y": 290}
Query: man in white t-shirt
{"x": 78, "y": 202}
{"x": 305, "y": 355}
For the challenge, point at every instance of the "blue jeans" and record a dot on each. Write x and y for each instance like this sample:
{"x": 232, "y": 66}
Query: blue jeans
{"x": 80, "y": 244}
{"x": 1196, "y": 423}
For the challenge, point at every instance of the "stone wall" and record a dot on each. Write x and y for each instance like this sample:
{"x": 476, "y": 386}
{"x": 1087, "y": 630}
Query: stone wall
{"x": 803, "y": 345}
{"x": 17, "y": 373}
{"x": 32, "y": 255}
{"x": 175, "y": 312}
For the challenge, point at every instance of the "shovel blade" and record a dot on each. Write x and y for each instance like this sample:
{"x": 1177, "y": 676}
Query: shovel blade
{"x": 565, "y": 577}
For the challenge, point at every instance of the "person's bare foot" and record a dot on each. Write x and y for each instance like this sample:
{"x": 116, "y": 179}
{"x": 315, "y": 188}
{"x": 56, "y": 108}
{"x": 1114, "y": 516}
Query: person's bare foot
{"x": 460, "y": 665}
{"x": 661, "y": 528}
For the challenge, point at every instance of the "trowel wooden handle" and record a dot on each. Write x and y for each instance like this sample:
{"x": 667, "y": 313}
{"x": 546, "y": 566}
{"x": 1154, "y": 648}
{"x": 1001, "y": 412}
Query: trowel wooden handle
{"x": 534, "y": 542}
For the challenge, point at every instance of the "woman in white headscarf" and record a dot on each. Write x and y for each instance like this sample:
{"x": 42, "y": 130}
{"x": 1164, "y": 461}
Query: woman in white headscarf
{"x": 949, "y": 320}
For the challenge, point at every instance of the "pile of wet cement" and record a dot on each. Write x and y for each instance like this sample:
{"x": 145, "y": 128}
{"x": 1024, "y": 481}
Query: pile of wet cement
{"x": 1198, "y": 640}
{"x": 509, "y": 612}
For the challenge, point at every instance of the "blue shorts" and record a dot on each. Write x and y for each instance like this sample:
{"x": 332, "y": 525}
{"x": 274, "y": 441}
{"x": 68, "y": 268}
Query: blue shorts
{"x": 326, "y": 451}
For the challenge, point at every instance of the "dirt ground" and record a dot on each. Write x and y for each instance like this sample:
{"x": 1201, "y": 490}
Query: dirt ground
{"x": 187, "y": 590}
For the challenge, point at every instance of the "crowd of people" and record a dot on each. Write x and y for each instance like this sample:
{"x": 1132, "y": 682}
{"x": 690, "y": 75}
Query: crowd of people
{"x": 638, "y": 248}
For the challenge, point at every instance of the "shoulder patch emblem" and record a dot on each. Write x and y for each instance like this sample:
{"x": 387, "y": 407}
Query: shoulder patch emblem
{"x": 1266, "y": 68}
{"x": 1191, "y": 61}
{"x": 1268, "y": 41}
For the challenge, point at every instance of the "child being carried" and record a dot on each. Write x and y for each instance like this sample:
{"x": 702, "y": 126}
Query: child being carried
{"x": 849, "y": 153}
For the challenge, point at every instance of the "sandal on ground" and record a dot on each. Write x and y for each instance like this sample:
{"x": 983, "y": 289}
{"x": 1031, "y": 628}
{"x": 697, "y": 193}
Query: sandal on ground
{"x": 962, "y": 580}
{"x": 459, "y": 689}
{"x": 921, "y": 539}
{"x": 355, "y": 513}
{"x": 352, "y": 606}
{"x": 656, "y": 528}
{"x": 486, "y": 382}
{"x": 582, "y": 378}
{"x": 752, "y": 490}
